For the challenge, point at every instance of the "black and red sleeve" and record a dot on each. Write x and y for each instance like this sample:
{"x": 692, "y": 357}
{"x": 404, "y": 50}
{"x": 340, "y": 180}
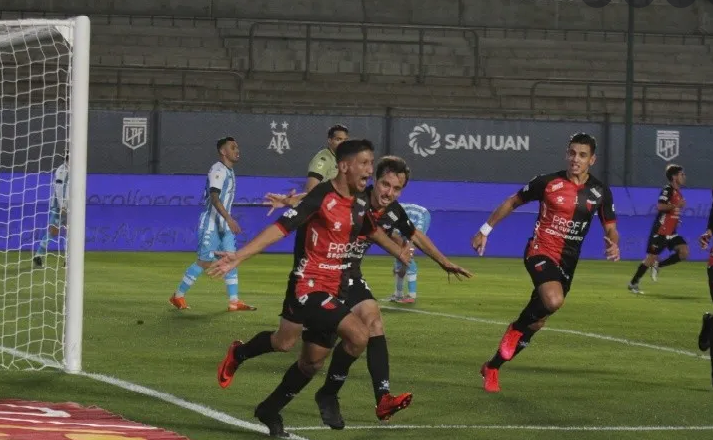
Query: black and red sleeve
{"x": 534, "y": 190}
{"x": 404, "y": 225}
{"x": 666, "y": 194}
{"x": 295, "y": 217}
{"x": 606, "y": 212}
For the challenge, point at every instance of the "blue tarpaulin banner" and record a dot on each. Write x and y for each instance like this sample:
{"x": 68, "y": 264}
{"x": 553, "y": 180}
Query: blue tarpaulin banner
{"x": 160, "y": 213}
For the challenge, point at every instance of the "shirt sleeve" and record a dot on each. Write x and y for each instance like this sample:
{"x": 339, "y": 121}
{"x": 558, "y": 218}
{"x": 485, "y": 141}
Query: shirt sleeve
{"x": 317, "y": 167}
{"x": 606, "y": 212}
{"x": 216, "y": 179}
{"x": 295, "y": 217}
{"x": 534, "y": 190}
{"x": 666, "y": 194}
{"x": 404, "y": 224}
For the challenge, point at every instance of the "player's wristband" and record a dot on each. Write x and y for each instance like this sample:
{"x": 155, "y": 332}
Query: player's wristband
{"x": 486, "y": 229}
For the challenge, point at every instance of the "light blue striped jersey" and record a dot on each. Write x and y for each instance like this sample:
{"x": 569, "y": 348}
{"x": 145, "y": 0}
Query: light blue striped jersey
{"x": 60, "y": 184}
{"x": 223, "y": 178}
{"x": 418, "y": 215}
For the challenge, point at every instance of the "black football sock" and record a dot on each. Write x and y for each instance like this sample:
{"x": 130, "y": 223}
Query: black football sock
{"x": 377, "y": 361}
{"x": 672, "y": 259}
{"x": 338, "y": 370}
{"x": 639, "y": 273}
{"x": 497, "y": 361}
{"x": 292, "y": 383}
{"x": 710, "y": 281}
{"x": 259, "y": 344}
{"x": 524, "y": 341}
{"x": 533, "y": 312}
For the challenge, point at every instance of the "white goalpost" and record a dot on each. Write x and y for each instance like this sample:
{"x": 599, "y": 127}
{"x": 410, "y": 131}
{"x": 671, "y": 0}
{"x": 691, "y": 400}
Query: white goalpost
{"x": 44, "y": 93}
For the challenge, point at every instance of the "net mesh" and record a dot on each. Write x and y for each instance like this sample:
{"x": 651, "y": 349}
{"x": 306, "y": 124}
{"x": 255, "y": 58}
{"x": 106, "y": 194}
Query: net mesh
{"x": 35, "y": 78}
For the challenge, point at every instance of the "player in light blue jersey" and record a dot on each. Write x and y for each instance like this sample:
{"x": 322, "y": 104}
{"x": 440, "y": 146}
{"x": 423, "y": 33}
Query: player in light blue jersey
{"x": 58, "y": 209}
{"x": 217, "y": 229}
{"x": 421, "y": 219}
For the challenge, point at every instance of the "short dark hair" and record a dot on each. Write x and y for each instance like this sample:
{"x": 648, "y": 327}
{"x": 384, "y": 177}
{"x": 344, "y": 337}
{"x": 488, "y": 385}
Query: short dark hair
{"x": 672, "y": 170}
{"x": 584, "y": 138}
{"x": 225, "y": 140}
{"x": 352, "y": 147}
{"x": 335, "y": 128}
{"x": 392, "y": 164}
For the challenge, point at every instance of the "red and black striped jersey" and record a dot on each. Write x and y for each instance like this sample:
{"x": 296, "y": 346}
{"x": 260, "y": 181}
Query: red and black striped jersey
{"x": 328, "y": 224}
{"x": 667, "y": 222}
{"x": 566, "y": 211}
{"x": 390, "y": 219}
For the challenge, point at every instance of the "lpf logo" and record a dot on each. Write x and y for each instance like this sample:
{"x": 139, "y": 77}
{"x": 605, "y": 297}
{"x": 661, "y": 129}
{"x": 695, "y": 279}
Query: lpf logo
{"x": 640, "y": 3}
{"x": 279, "y": 141}
{"x": 667, "y": 144}
{"x": 134, "y": 132}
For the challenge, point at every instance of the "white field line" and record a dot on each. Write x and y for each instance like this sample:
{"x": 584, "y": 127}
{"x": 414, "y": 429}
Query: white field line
{"x": 170, "y": 398}
{"x": 558, "y": 330}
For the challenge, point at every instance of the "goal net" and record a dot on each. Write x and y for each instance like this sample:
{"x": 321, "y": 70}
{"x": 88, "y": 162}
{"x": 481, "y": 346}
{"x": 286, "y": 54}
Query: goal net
{"x": 43, "y": 122}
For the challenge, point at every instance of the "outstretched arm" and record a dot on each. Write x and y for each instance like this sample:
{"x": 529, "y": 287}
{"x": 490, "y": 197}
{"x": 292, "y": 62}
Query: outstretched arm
{"x": 424, "y": 243}
{"x": 277, "y": 201}
{"x": 502, "y": 211}
{"x": 231, "y": 260}
{"x": 403, "y": 253}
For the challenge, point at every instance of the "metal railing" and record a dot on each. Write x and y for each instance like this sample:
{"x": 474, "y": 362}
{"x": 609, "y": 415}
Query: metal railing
{"x": 645, "y": 86}
{"x": 184, "y": 72}
{"x": 567, "y": 34}
{"x": 365, "y": 40}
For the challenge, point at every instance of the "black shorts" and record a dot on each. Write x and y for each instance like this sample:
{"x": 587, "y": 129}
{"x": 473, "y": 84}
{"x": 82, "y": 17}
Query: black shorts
{"x": 319, "y": 313}
{"x": 657, "y": 243}
{"x": 357, "y": 292}
{"x": 542, "y": 269}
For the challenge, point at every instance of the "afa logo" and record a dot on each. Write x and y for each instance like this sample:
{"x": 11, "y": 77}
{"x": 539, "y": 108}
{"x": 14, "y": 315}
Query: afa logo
{"x": 279, "y": 141}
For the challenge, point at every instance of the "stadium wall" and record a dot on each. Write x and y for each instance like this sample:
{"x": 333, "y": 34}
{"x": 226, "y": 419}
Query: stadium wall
{"x": 504, "y": 151}
{"x": 160, "y": 213}
{"x": 658, "y": 16}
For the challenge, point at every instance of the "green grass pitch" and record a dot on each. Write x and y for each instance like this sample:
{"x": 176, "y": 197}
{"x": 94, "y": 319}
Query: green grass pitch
{"x": 561, "y": 380}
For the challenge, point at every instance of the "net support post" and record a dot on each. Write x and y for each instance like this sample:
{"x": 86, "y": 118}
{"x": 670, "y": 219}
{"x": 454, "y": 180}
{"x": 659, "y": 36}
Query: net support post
{"x": 79, "y": 102}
